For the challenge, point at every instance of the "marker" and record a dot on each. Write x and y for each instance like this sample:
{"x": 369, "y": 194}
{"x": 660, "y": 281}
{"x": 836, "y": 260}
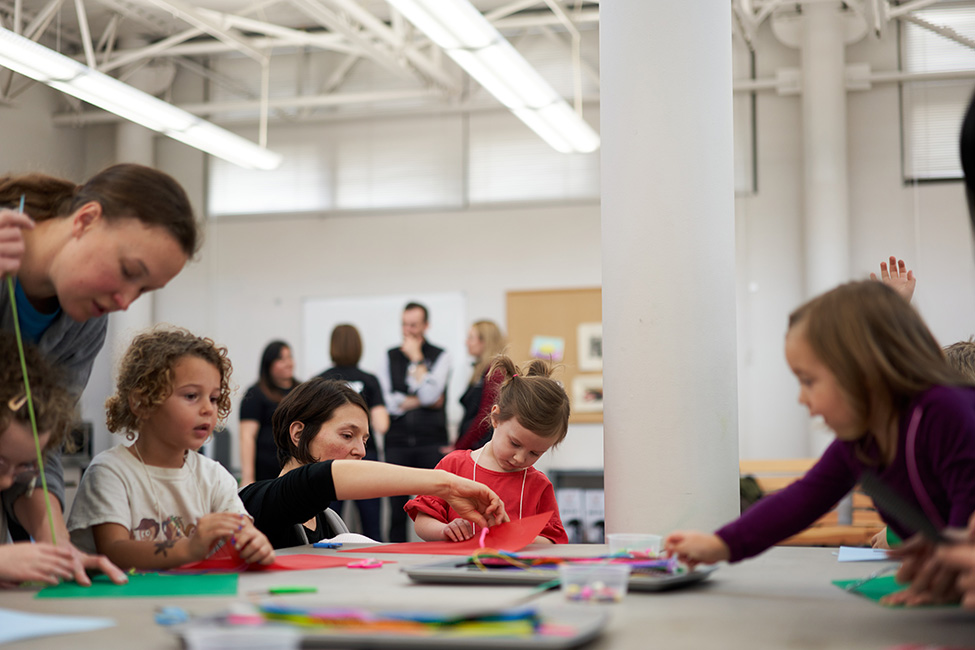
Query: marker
{"x": 293, "y": 589}
{"x": 327, "y": 544}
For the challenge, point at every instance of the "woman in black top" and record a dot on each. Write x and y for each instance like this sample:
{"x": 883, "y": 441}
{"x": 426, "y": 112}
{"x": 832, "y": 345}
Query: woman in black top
{"x": 258, "y": 453}
{"x": 346, "y": 350}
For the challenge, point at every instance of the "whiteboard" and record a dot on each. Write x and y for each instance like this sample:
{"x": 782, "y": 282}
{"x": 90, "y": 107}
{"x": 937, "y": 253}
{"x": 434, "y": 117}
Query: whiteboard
{"x": 378, "y": 320}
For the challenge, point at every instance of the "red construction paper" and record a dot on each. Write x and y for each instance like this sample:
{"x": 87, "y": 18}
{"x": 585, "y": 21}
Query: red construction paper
{"x": 226, "y": 559}
{"x": 511, "y": 536}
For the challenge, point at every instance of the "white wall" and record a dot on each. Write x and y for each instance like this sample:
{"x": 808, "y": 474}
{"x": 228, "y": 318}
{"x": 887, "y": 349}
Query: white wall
{"x": 31, "y": 142}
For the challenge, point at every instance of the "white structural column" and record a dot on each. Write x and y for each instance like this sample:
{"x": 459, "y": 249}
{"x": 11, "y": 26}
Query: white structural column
{"x": 826, "y": 217}
{"x": 668, "y": 242}
{"x": 826, "y": 213}
{"x": 133, "y": 144}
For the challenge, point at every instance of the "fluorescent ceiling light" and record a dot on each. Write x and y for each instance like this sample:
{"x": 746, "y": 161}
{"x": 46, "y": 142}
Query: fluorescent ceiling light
{"x": 33, "y": 60}
{"x": 476, "y": 46}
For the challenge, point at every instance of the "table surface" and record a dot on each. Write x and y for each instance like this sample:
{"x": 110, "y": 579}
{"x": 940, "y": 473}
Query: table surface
{"x": 781, "y": 599}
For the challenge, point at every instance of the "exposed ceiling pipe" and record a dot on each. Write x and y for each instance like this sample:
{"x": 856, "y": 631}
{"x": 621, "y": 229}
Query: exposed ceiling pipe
{"x": 210, "y": 108}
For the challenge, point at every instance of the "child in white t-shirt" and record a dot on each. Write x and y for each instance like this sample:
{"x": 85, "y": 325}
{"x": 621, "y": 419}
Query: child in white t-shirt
{"x": 158, "y": 504}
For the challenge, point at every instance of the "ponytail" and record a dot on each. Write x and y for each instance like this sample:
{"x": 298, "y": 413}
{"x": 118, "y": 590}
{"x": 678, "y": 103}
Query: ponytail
{"x": 531, "y": 395}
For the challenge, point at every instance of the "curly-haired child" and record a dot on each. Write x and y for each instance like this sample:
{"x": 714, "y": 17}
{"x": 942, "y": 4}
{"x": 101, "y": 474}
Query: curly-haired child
{"x": 157, "y": 504}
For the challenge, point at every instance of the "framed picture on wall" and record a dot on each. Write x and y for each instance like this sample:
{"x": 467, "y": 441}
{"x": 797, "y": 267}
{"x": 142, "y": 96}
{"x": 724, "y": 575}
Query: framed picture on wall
{"x": 590, "y": 347}
{"x": 587, "y": 393}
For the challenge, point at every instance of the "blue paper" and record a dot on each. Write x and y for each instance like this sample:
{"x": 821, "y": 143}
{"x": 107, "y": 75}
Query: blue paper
{"x": 16, "y": 626}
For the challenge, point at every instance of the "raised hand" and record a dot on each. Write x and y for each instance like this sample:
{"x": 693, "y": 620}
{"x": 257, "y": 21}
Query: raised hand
{"x": 897, "y": 277}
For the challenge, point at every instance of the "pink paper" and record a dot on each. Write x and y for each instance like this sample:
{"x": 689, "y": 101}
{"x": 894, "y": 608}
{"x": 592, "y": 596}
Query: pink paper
{"x": 512, "y": 536}
{"x": 228, "y": 560}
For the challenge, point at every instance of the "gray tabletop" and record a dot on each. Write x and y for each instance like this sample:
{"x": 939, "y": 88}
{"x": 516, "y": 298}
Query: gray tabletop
{"x": 782, "y": 599}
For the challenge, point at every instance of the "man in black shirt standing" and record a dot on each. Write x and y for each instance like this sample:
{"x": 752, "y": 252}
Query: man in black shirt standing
{"x": 415, "y": 390}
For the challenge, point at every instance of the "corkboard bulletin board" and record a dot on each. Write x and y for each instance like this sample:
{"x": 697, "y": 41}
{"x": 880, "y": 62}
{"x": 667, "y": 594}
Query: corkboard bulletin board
{"x": 555, "y": 313}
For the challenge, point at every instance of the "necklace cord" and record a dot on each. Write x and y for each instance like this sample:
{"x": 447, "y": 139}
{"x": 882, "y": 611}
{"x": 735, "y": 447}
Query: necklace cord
{"x": 524, "y": 478}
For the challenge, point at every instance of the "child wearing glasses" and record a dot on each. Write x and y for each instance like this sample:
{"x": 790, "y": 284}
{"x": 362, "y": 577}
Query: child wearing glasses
{"x": 53, "y": 410}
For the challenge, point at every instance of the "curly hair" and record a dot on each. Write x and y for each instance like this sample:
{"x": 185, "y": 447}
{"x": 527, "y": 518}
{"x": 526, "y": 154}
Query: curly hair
{"x": 54, "y": 407}
{"x": 146, "y": 374}
{"x": 531, "y": 395}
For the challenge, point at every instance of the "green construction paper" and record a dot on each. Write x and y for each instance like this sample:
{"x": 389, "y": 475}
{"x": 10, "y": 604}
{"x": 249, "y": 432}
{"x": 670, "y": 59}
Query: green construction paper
{"x": 879, "y": 587}
{"x": 148, "y": 585}
{"x": 873, "y": 589}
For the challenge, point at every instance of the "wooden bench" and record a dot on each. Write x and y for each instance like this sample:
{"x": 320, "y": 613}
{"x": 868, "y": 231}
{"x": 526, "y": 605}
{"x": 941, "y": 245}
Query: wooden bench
{"x": 773, "y": 475}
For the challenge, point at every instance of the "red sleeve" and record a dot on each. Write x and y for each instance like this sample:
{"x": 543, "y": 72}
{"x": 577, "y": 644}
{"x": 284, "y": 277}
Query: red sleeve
{"x": 431, "y": 505}
{"x": 482, "y": 423}
{"x": 428, "y": 505}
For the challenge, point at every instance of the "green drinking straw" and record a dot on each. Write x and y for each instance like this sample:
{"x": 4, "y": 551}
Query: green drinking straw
{"x": 30, "y": 401}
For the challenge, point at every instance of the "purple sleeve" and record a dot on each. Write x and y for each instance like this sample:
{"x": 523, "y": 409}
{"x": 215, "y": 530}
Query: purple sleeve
{"x": 946, "y": 444}
{"x": 793, "y": 509}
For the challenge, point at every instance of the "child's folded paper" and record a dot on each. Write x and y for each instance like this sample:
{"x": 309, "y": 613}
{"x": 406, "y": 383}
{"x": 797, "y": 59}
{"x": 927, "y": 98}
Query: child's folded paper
{"x": 511, "y": 536}
{"x": 226, "y": 559}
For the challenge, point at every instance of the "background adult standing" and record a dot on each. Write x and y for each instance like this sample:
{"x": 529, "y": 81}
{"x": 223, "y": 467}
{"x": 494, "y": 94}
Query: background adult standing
{"x": 484, "y": 342}
{"x": 77, "y": 253}
{"x": 414, "y": 383}
{"x": 258, "y": 453}
{"x": 346, "y": 351}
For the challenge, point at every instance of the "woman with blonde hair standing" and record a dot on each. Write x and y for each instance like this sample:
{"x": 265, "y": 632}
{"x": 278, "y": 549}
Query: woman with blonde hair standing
{"x": 484, "y": 342}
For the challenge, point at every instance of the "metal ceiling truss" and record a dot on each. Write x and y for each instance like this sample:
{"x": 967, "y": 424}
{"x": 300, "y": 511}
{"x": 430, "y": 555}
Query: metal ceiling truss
{"x": 876, "y": 14}
{"x": 193, "y": 37}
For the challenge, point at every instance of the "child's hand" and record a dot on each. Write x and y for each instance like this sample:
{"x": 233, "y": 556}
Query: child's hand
{"x": 879, "y": 540}
{"x": 474, "y": 501}
{"x": 35, "y": 561}
{"x": 693, "y": 547}
{"x": 897, "y": 277}
{"x": 101, "y": 563}
{"x": 962, "y": 558}
{"x": 931, "y": 580}
{"x": 252, "y": 544}
{"x": 210, "y": 530}
{"x": 458, "y": 530}
{"x": 12, "y": 225}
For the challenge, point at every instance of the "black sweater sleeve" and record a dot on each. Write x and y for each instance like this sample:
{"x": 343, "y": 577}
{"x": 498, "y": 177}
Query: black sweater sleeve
{"x": 278, "y": 504}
